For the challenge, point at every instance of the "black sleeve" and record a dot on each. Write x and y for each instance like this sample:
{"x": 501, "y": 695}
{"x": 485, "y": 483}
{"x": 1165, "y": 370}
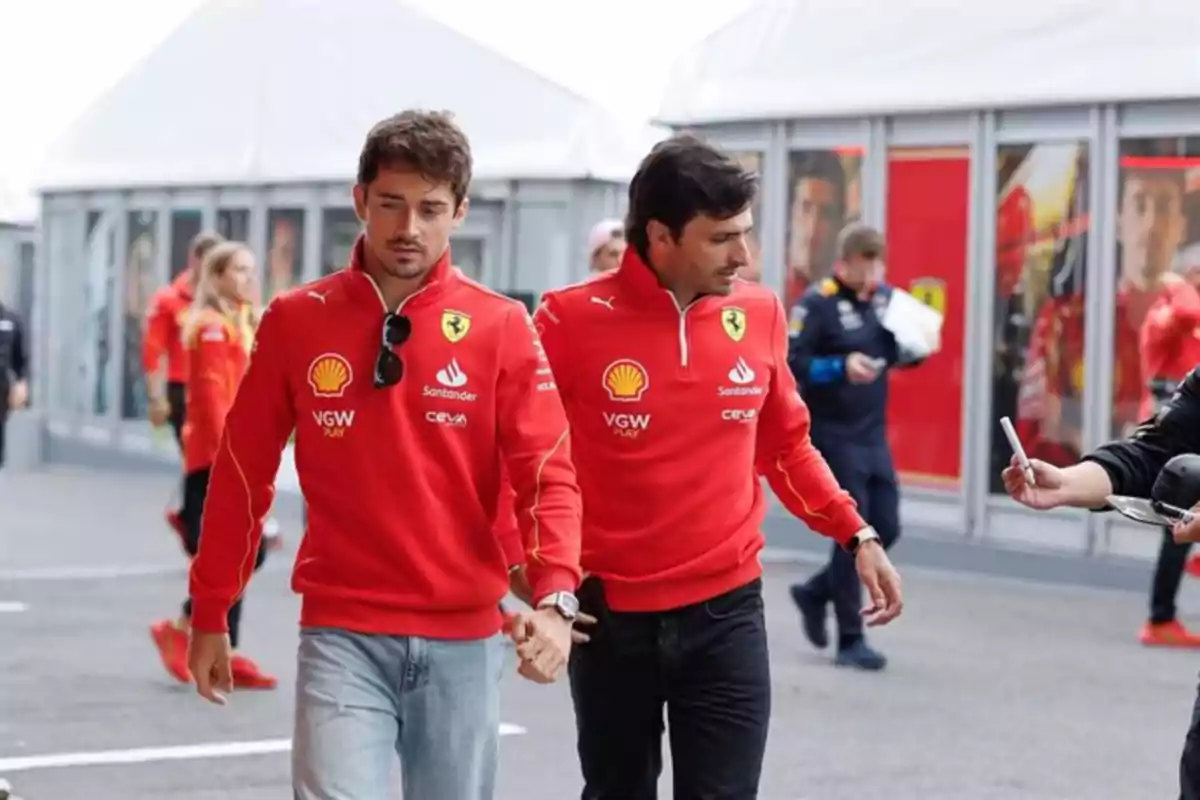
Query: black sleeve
{"x": 1133, "y": 464}
{"x": 20, "y": 355}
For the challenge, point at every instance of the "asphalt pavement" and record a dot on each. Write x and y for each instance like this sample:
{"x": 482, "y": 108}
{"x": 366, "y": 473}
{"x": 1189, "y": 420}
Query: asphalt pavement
{"x": 1005, "y": 682}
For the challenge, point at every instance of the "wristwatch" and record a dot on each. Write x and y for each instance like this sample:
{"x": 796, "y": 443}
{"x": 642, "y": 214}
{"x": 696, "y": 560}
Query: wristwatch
{"x": 867, "y": 534}
{"x": 565, "y": 603}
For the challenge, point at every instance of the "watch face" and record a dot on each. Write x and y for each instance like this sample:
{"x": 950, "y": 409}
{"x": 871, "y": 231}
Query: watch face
{"x": 568, "y": 604}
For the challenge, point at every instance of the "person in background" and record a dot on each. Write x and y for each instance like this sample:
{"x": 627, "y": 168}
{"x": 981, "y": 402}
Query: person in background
{"x": 840, "y": 353}
{"x": 1127, "y": 467}
{"x": 606, "y": 245}
{"x": 216, "y": 335}
{"x": 168, "y": 308}
{"x": 1170, "y": 348}
{"x": 14, "y": 368}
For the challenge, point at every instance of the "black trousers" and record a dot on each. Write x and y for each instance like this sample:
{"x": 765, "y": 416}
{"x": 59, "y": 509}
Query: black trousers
{"x": 177, "y": 398}
{"x": 1189, "y": 763}
{"x": 707, "y": 664}
{"x": 1168, "y": 574}
{"x": 195, "y": 491}
{"x": 867, "y": 473}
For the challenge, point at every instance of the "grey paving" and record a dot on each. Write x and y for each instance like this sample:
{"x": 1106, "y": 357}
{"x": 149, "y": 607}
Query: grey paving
{"x": 1002, "y": 684}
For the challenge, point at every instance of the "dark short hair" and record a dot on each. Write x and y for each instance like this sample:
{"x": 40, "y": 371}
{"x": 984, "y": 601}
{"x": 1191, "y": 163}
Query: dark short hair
{"x": 682, "y": 178}
{"x": 859, "y": 239}
{"x": 428, "y": 142}
{"x": 203, "y": 242}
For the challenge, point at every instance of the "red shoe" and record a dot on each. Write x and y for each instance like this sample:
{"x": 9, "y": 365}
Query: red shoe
{"x": 172, "y": 644}
{"x": 176, "y": 523}
{"x": 1168, "y": 634}
{"x": 247, "y": 675}
{"x": 1193, "y": 566}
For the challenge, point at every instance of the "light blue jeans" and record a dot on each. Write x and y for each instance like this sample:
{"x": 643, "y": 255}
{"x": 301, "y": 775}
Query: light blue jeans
{"x": 361, "y": 698}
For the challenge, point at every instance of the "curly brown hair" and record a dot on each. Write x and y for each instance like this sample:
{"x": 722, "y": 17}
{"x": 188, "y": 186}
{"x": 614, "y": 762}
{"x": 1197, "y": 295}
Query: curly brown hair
{"x": 429, "y": 142}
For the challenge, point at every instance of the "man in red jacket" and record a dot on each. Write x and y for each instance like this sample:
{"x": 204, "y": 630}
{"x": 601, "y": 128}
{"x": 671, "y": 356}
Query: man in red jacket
{"x": 164, "y": 339}
{"x": 675, "y": 378}
{"x": 406, "y": 384}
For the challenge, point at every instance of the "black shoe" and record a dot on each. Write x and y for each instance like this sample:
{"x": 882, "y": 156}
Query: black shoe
{"x": 812, "y": 615}
{"x": 860, "y": 656}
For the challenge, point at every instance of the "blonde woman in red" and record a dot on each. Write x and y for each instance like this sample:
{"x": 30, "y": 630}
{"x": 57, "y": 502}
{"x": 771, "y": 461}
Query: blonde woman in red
{"x": 218, "y": 336}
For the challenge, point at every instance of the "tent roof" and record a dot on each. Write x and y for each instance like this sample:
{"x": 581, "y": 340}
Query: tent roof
{"x": 822, "y": 58}
{"x": 282, "y": 91}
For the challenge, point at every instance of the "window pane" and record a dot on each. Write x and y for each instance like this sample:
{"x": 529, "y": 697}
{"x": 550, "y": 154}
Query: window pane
{"x": 340, "y": 227}
{"x": 927, "y": 224}
{"x": 139, "y": 286}
{"x": 467, "y": 255}
{"x": 1158, "y": 233}
{"x": 234, "y": 224}
{"x": 824, "y": 194}
{"x": 752, "y": 161}
{"x": 100, "y": 258}
{"x": 185, "y": 226}
{"x": 285, "y": 250}
{"x": 1038, "y": 320}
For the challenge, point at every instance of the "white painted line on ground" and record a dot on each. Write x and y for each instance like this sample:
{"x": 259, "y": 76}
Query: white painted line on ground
{"x": 145, "y": 755}
{"x": 12, "y": 607}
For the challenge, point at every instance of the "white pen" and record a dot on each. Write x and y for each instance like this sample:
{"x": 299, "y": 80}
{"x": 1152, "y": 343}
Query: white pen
{"x": 1015, "y": 443}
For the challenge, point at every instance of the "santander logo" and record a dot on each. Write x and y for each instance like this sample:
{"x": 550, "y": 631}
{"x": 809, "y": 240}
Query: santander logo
{"x": 741, "y": 374}
{"x": 451, "y": 376}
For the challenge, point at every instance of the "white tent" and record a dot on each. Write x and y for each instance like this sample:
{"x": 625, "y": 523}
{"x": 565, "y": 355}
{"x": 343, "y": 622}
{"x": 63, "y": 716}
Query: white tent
{"x": 283, "y": 91}
{"x": 790, "y": 59}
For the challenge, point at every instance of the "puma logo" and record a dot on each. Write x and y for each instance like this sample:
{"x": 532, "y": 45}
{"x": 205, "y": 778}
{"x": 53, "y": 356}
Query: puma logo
{"x": 607, "y": 302}
{"x": 318, "y": 296}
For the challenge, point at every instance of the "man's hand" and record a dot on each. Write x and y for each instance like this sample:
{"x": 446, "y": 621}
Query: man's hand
{"x": 208, "y": 659}
{"x": 159, "y": 411}
{"x": 882, "y": 583}
{"x": 543, "y": 639}
{"x": 1188, "y": 532}
{"x": 518, "y": 584}
{"x": 859, "y": 369}
{"x": 1048, "y": 490}
{"x": 18, "y": 395}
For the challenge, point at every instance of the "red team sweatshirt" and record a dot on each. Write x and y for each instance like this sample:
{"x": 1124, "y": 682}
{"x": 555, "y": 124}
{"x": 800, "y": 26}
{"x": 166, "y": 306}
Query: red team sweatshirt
{"x": 674, "y": 416}
{"x": 401, "y": 483}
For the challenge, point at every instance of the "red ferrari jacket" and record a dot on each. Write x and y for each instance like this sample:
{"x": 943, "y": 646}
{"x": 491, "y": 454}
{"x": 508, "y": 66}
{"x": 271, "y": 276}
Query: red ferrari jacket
{"x": 674, "y": 415}
{"x": 217, "y": 357}
{"x": 168, "y": 309}
{"x": 1170, "y": 343}
{"x": 401, "y": 483}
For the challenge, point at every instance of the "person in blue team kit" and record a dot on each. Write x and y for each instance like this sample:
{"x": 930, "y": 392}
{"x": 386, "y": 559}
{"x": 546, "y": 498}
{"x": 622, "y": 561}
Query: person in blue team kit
{"x": 840, "y": 353}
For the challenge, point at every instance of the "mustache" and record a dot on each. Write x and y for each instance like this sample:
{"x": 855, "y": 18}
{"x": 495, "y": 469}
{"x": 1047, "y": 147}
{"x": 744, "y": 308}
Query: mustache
{"x": 413, "y": 244}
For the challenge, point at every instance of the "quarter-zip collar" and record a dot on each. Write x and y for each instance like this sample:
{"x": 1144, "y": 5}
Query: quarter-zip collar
{"x": 637, "y": 276}
{"x": 440, "y": 279}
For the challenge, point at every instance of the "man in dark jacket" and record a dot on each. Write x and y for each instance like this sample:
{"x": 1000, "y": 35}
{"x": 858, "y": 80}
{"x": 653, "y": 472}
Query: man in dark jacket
{"x": 14, "y": 368}
{"x": 1127, "y": 467}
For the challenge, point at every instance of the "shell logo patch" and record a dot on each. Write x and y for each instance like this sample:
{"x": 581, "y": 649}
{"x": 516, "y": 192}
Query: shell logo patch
{"x": 626, "y": 380}
{"x": 329, "y": 375}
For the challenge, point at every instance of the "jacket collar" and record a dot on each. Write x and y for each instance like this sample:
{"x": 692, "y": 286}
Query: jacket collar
{"x": 183, "y": 285}
{"x": 636, "y": 276}
{"x": 440, "y": 279}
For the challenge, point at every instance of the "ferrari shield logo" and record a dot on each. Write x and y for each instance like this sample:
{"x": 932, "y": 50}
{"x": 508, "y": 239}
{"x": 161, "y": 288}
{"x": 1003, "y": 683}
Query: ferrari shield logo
{"x": 931, "y": 292}
{"x": 733, "y": 320}
{"x": 455, "y": 325}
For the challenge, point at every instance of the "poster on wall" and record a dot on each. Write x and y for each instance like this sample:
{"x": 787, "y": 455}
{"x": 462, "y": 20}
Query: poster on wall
{"x": 824, "y": 195}
{"x": 752, "y": 162}
{"x": 1038, "y": 318}
{"x": 927, "y": 226}
{"x": 139, "y": 286}
{"x": 285, "y": 250}
{"x": 1157, "y": 245}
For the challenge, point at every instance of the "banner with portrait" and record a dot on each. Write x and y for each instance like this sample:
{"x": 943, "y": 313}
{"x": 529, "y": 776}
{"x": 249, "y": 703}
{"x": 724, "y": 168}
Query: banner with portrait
{"x": 824, "y": 195}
